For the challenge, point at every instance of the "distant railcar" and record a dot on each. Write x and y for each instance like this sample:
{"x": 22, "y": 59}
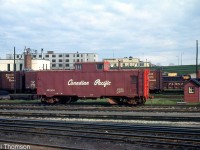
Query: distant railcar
{"x": 155, "y": 81}
{"x": 175, "y": 83}
{"x": 9, "y": 83}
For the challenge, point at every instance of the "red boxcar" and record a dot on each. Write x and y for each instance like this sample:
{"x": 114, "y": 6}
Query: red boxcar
{"x": 31, "y": 81}
{"x": 94, "y": 80}
{"x": 155, "y": 81}
{"x": 7, "y": 81}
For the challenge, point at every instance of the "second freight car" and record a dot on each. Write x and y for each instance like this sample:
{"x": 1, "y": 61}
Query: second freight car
{"x": 155, "y": 81}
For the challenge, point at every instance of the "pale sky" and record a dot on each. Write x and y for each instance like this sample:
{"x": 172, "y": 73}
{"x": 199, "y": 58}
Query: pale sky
{"x": 156, "y": 30}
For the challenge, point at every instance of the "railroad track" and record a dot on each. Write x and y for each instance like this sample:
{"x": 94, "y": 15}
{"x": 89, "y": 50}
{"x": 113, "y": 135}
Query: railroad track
{"x": 164, "y": 137}
{"x": 175, "y": 108}
{"x": 148, "y": 116}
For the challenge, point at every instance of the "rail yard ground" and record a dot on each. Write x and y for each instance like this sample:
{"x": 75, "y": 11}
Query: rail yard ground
{"x": 162, "y": 123}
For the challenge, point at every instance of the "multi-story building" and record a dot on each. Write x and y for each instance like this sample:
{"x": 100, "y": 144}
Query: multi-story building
{"x": 127, "y": 62}
{"x": 59, "y": 60}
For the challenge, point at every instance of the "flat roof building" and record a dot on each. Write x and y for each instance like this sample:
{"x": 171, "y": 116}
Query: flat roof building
{"x": 127, "y": 62}
{"x": 8, "y": 65}
{"x": 59, "y": 60}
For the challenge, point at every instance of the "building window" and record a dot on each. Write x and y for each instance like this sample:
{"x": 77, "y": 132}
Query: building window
{"x": 40, "y": 56}
{"x": 53, "y": 55}
{"x": 77, "y": 55}
{"x": 8, "y": 67}
{"x": 81, "y": 55}
{"x": 67, "y": 55}
{"x": 60, "y": 65}
{"x": 78, "y": 66}
{"x": 191, "y": 90}
{"x": 17, "y": 56}
{"x": 67, "y": 60}
{"x": 60, "y": 55}
{"x": 20, "y": 66}
{"x": 53, "y": 60}
{"x": 53, "y": 65}
{"x": 46, "y": 55}
{"x": 77, "y": 60}
{"x": 60, "y": 60}
{"x": 67, "y": 65}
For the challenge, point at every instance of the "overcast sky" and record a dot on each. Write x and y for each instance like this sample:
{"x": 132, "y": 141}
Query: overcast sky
{"x": 157, "y": 30}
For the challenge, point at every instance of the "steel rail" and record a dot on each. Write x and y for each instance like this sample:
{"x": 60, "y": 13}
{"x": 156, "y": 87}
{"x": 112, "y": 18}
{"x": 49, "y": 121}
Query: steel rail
{"x": 141, "y": 128}
{"x": 87, "y": 115}
{"x": 135, "y": 129}
{"x": 121, "y": 109}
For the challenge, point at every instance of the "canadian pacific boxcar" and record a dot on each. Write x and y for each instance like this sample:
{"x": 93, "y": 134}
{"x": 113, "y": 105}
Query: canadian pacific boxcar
{"x": 92, "y": 81}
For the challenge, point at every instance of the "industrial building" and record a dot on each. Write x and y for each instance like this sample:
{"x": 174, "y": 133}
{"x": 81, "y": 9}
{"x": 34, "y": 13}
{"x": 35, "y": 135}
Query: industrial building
{"x": 127, "y": 62}
{"x": 25, "y": 62}
{"x": 58, "y": 60}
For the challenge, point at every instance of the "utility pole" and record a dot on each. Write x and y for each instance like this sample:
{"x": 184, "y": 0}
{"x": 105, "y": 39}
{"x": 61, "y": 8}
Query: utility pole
{"x": 181, "y": 58}
{"x": 197, "y": 59}
{"x": 14, "y": 73}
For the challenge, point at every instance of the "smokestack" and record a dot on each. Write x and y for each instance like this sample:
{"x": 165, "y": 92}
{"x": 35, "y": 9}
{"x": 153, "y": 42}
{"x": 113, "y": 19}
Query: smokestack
{"x": 27, "y": 59}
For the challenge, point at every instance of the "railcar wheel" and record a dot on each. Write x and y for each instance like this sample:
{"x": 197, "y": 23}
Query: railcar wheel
{"x": 113, "y": 101}
{"x": 132, "y": 102}
{"x": 141, "y": 101}
{"x": 50, "y": 100}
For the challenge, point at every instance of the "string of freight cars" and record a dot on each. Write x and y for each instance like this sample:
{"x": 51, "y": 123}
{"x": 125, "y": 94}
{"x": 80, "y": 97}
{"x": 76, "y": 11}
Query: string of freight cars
{"x": 90, "y": 81}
